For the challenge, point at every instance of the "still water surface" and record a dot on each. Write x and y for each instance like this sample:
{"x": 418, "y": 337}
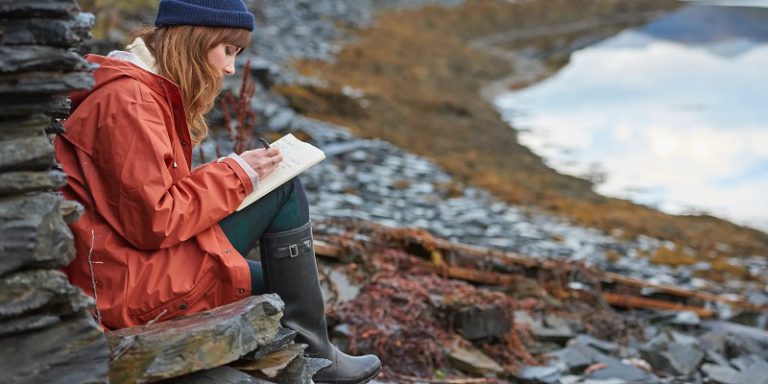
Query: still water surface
{"x": 673, "y": 114}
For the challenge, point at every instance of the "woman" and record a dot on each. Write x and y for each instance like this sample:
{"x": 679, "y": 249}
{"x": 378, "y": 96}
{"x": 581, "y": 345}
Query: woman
{"x": 159, "y": 239}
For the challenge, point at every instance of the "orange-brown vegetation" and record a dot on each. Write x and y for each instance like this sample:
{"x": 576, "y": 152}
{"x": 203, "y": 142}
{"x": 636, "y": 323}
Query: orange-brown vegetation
{"x": 420, "y": 79}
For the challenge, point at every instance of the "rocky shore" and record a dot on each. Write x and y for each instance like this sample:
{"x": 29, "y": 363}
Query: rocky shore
{"x": 384, "y": 181}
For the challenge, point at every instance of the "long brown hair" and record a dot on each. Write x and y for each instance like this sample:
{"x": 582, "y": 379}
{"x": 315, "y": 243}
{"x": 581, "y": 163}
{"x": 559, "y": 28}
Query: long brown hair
{"x": 181, "y": 52}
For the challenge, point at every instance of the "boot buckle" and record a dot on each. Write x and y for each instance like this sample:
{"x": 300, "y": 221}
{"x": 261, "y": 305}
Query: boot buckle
{"x": 293, "y": 250}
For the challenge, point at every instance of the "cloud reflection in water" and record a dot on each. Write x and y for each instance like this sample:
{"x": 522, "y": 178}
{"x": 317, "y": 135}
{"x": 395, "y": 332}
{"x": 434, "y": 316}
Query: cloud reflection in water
{"x": 680, "y": 127}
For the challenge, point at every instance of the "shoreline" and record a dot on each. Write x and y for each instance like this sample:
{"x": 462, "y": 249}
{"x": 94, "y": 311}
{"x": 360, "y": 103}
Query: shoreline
{"x": 409, "y": 116}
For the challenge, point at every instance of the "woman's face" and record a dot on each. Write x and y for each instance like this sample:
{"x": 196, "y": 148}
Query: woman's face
{"x": 222, "y": 57}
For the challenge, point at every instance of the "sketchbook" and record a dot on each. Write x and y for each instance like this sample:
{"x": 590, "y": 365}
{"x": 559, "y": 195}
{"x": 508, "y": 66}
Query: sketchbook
{"x": 298, "y": 156}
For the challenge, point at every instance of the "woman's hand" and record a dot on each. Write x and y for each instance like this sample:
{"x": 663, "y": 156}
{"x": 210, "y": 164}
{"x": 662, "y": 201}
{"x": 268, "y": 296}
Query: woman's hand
{"x": 263, "y": 161}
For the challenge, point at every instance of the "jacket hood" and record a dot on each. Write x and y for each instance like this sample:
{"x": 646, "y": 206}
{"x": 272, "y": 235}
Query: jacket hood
{"x": 111, "y": 69}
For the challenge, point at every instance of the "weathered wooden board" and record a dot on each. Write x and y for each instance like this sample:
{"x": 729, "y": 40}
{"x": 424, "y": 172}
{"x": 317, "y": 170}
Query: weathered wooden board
{"x": 191, "y": 343}
{"x": 33, "y": 233}
{"x": 26, "y": 154}
{"x": 73, "y": 351}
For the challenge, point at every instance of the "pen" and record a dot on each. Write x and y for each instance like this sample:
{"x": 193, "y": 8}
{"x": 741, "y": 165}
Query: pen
{"x": 263, "y": 142}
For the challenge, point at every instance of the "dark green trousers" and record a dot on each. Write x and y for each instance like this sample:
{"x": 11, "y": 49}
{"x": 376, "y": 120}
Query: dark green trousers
{"x": 283, "y": 209}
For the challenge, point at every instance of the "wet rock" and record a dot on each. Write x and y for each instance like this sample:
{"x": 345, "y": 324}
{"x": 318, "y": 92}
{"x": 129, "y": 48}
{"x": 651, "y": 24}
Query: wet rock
{"x": 472, "y": 361}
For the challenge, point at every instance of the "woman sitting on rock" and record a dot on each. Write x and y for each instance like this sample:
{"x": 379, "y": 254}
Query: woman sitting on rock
{"x": 158, "y": 239}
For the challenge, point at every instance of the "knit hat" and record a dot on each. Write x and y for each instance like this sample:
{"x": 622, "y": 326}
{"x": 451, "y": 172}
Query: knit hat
{"x": 211, "y": 13}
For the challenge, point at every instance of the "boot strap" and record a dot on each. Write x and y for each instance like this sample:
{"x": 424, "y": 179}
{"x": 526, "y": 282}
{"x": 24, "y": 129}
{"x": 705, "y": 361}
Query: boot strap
{"x": 293, "y": 250}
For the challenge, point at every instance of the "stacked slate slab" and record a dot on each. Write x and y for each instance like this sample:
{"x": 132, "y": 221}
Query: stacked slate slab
{"x": 47, "y": 331}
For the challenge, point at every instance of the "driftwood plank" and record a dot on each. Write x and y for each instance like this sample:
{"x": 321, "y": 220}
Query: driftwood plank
{"x": 33, "y": 233}
{"x": 28, "y": 181}
{"x": 55, "y": 32}
{"x": 73, "y": 351}
{"x": 191, "y": 343}
{"x": 26, "y": 154}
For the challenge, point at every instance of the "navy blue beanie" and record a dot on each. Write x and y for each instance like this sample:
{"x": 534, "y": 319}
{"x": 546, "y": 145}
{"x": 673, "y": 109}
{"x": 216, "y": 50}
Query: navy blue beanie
{"x": 211, "y": 13}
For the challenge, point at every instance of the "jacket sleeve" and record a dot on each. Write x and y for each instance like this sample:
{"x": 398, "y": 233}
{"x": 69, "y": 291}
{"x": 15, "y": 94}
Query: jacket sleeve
{"x": 133, "y": 183}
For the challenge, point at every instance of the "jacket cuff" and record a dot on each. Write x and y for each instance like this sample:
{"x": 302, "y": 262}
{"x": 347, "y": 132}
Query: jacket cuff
{"x": 238, "y": 164}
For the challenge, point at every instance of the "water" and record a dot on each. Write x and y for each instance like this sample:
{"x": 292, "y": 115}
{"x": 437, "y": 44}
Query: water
{"x": 672, "y": 114}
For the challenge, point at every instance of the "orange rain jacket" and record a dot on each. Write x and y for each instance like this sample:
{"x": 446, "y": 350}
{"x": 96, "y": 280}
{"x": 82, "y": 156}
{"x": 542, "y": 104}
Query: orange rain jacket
{"x": 150, "y": 226}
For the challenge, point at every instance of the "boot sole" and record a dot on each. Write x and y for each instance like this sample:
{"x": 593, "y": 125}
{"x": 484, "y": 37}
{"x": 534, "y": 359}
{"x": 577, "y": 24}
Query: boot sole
{"x": 362, "y": 380}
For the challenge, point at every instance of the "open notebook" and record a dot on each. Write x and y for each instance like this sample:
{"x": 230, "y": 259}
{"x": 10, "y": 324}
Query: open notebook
{"x": 298, "y": 156}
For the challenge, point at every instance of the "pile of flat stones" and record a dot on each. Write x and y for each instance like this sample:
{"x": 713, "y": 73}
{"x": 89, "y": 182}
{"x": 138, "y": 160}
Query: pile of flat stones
{"x": 47, "y": 332}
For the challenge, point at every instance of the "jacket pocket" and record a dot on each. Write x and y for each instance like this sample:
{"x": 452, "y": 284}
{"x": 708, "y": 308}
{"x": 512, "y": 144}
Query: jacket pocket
{"x": 179, "y": 305}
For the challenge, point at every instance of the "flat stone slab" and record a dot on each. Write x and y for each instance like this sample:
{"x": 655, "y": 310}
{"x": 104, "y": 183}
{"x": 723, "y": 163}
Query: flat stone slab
{"x": 22, "y": 127}
{"x": 27, "y": 58}
{"x": 44, "y": 82}
{"x": 40, "y": 8}
{"x": 218, "y": 375}
{"x": 22, "y": 105}
{"x": 72, "y": 351}
{"x": 40, "y": 292}
{"x": 26, "y": 154}
{"x": 12, "y": 183}
{"x": 63, "y": 33}
{"x": 192, "y": 343}
{"x": 33, "y": 233}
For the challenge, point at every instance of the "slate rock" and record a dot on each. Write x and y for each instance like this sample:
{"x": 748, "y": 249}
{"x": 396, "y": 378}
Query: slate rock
{"x": 27, "y": 323}
{"x": 44, "y": 82}
{"x": 33, "y": 233}
{"x": 23, "y": 127}
{"x": 615, "y": 369}
{"x": 218, "y": 375}
{"x": 22, "y": 105}
{"x": 721, "y": 374}
{"x": 284, "y": 337}
{"x": 40, "y": 292}
{"x": 756, "y": 373}
{"x": 38, "y": 8}
{"x": 191, "y": 343}
{"x": 301, "y": 370}
{"x": 538, "y": 375}
{"x": 73, "y": 351}
{"x": 473, "y": 361}
{"x": 573, "y": 359}
{"x": 479, "y": 323}
{"x": 63, "y": 33}
{"x": 26, "y": 154}
{"x": 12, "y": 183}
{"x": 29, "y": 58}
{"x": 684, "y": 358}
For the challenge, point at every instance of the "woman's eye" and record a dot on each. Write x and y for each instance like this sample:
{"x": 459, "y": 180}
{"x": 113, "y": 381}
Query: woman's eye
{"x": 228, "y": 51}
